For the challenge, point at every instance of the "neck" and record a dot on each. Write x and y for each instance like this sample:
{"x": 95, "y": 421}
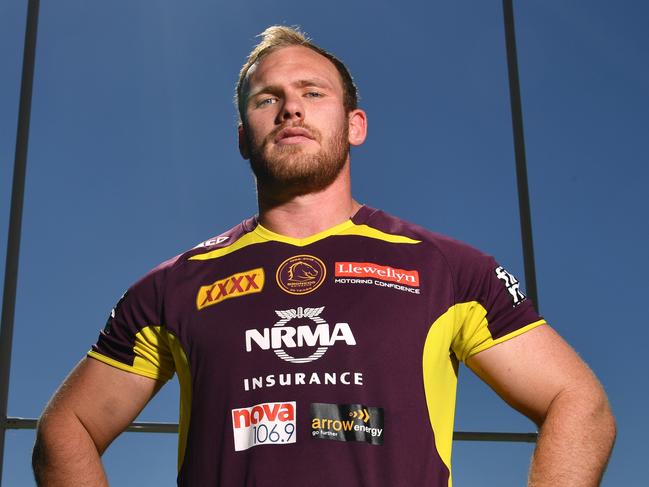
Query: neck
{"x": 305, "y": 215}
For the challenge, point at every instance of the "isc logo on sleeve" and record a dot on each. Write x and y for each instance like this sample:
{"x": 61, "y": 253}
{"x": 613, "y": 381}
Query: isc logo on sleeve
{"x": 512, "y": 285}
{"x": 271, "y": 423}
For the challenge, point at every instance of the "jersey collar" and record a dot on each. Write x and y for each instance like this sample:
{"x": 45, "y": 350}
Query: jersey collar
{"x": 267, "y": 234}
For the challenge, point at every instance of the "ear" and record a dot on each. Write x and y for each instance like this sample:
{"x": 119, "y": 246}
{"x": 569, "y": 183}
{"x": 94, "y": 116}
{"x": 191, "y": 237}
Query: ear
{"x": 243, "y": 143}
{"x": 357, "y": 120}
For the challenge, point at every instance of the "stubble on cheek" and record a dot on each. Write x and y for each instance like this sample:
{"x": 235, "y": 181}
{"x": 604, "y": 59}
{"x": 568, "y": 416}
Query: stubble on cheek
{"x": 294, "y": 168}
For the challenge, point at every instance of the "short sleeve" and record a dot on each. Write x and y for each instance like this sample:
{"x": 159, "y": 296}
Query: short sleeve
{"x": 490, "y": 305}
{"x": 135, "y": 338}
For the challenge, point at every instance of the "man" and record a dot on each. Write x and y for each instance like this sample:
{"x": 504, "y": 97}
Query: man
{"x": 319, "y": 342}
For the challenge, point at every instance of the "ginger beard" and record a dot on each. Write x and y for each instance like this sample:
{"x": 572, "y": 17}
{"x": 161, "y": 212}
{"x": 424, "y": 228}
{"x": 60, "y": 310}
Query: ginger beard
{"x": 290, "y": 169}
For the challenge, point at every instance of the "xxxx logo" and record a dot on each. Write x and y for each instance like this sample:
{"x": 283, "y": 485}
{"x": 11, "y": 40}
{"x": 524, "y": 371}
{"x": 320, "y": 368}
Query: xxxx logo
{"x": 233, "y": 286}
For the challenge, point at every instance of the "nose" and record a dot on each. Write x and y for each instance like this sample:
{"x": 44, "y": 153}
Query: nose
{"x": 292, "y": 109}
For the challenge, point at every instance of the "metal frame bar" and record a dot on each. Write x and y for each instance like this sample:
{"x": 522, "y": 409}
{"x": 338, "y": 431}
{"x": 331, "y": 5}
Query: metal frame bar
{"x": 15, "y": 221}
{"x": 139, "y": 427}
{"x": 519, "y": 150}
{"x": 16, "y": 214}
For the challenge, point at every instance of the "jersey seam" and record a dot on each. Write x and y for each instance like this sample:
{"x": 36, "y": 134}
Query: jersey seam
{"x": 452, "y": 279}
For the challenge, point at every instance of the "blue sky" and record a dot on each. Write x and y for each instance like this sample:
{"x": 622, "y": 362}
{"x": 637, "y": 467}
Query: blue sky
{"x": 133, "y": 159}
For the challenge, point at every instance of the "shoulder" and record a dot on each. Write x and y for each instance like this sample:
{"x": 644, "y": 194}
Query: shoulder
{"x": 224, "y": 239}
{"x": 474, "y": 274}
{"x": 220, "y": 243}
{"x": 454, "y": 251}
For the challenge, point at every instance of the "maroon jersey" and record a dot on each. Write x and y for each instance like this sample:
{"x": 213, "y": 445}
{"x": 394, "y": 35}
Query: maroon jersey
{"x": 329, "y": 360}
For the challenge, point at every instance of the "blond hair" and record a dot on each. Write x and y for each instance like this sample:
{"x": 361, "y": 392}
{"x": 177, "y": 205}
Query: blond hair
{"x": 279, "y": 36}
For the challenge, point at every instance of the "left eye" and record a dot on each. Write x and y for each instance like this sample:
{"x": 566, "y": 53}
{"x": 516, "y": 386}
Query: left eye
{"x": 313, "y": 94}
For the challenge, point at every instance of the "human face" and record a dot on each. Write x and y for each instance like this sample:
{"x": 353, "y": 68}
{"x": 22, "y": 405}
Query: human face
{"x": 295, "y": 130}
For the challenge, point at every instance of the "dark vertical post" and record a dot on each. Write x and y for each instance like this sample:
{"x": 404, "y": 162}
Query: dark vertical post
{"x": 15, "y": 218}
{"x": 519, "y": 149}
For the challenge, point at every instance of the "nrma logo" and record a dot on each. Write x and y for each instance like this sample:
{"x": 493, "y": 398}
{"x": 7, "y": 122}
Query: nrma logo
{"x": 287, "y": 334}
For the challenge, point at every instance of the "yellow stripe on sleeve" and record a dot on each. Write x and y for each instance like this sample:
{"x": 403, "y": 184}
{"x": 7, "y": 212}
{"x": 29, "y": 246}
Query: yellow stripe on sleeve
{"x": 152, "y": 356}
{"x": 490, "y": 342}
{"x": 472, "y": 333}
{"x": 152, "y": 352}
{"x": 122, "y": 366}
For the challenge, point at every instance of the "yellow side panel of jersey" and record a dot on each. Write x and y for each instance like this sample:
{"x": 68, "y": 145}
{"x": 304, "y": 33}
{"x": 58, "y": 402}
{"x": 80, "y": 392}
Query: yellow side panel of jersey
{"x": 185, "y": 381}
{"x": 440, "y": 383}
{"x": 462, "y": 329}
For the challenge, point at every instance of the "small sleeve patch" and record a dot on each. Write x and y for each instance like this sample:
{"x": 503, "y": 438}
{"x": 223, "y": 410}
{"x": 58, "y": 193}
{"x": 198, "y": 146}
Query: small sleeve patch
{"x": 511, "y": 284}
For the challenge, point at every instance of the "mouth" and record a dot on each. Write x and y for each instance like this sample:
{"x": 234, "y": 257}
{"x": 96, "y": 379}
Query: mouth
{"x": 293, "y": 135}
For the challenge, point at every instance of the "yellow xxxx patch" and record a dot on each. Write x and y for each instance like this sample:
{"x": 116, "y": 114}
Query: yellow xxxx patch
{"x": 240, "y": 284}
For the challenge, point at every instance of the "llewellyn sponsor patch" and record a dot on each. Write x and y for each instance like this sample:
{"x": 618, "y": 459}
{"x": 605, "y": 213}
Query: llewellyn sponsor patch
{"x": 347, "y": 422}
{"x": 378, "y": 275}
{"x": 382, "y": 272}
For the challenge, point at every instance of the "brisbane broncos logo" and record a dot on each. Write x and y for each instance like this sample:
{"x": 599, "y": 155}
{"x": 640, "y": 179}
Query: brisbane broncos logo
{"x": 302, "y": 271}
{"x": 301, "y": 274}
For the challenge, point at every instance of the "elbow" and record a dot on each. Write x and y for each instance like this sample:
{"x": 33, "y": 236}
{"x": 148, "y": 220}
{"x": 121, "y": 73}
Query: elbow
{"x": 59, "y": 439}
{"x": 607, "y": 422}
{"x": 38, "y": 462}
{"x": 599, "y": 414}
{"x": 585, "y": 412}
{"x": 39, "y": 452}
{"x": 601, "y": 429}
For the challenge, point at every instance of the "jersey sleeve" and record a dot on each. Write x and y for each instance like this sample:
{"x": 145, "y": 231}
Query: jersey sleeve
{"x": 134, "y": 338}
{"x": 490, "y": 305}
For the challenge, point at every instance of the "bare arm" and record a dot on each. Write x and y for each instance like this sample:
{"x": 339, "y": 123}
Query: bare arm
{"x": 538, "y": 374}
{"x": 91, "y": 408}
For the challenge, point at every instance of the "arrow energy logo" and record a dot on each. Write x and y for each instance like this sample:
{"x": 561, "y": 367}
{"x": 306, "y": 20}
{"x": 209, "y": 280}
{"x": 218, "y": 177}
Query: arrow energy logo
{"x": 347, "y": 422}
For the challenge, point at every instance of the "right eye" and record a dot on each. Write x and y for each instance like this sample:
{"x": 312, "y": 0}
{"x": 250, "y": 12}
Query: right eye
{"x": 266, "y": 101}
